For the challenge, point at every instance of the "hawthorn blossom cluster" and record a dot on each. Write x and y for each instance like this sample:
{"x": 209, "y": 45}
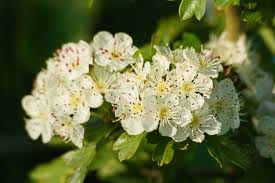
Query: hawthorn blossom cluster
{"x": 176, "y": 93}
{"x": 259, "y": 87}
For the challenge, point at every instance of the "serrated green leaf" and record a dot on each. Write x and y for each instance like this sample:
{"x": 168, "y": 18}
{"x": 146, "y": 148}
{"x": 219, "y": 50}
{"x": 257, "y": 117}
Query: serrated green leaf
{"x": 186, "y": 9}
{"x": 127, "y": 145}
{"x": 200, "y": 8}
{"x": 72, "y": 167}
{"x": 221, "y": 4}
{"x": 164, "y": 152}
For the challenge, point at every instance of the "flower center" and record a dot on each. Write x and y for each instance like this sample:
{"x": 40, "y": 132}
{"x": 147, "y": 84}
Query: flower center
{"x": 187, "y": 87}
{"x": 195, "y": 122}
{"x": 164, "y": 112}
{"x": 138, "y": 108}
{"x": 116, "y": 54}
{"x": 203, "y": 63}
{"x": 75, "y": 101}
{"x": 101, "y": 86}
{"x": 162, "y": 87}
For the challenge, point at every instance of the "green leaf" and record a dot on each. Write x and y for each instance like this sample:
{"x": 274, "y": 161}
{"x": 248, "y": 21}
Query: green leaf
{"x": 252, "y": 16}
{"x": 200, "y": 8}
{"x": 186, "y": 9}
{"x": 167, "y": 30}
{"x": 55, "y": 172}
{"x": 106, "y": 163}
{"x": 91, "y": 2}
{"x": 72, "y": 167}
{"x": 96, "y": 132}
{"x": 221, "y": 4}
{"x": 191, "y": 40}
{"x": 80, "y": 160}
{"x": 164, "y": 152}
{"x": 127, "y": 145}
{"x": 225, "y": 151}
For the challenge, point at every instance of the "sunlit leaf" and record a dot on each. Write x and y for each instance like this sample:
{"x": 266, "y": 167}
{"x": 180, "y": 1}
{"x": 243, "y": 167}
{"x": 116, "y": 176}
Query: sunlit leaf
{"x": 127, "y": 145}
{"x": 186, "y": 9}
{"x": 200, "y": 8}
{"x": 164, "y": 152}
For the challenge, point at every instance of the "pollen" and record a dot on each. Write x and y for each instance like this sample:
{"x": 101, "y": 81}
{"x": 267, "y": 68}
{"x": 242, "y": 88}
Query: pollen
{"x": 187, "y": 87}
{"x": 162, "y": 87}
{"x": 101, "y": 86}
{"x": 195, "y": 122}
{"x": 203, "y": 63}
{"x": 116, "y": 54}
{"x": 164, "y": 112}
{"x": 75, "y": 101}
{"x": 138, "y": 108}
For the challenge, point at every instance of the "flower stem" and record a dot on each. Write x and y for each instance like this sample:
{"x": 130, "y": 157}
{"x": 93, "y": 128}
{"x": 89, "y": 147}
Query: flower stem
{"x": 232, "y": 23}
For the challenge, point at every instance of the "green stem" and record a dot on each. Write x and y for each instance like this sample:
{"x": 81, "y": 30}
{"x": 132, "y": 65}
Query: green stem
{"x": 232, "y": 23}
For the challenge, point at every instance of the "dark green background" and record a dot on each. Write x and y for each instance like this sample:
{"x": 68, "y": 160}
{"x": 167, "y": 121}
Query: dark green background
{"x": 30, "y": 31}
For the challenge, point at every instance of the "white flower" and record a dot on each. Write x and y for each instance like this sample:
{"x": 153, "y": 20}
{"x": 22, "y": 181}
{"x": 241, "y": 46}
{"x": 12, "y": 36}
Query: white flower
{"x": 114, "y": 52}
{"x": 224, "y": 102}
{"x": 164, "y": 112}
{"x": 141, "y": 70}
{"x": 69, "y": 130}
{"x": 202, "y": 122}
{"x": 41, "y": 117}
{"x": 203, "y": 62}
{"x": 76, "y": 98}
{"x": 266, "y": 143}
{"x": 163, "y": 57}
{"x": 159, "y": 81}
{"x": 127, "y": 103}
{"x": 71, "y": 61}
{"x": 191, "y": 86}
{"x": 266, "y": 146}
{"x": 103, "y": 79}
{"x": 230, "y": 52}
{"x": 168, "y": 56}
{"x": 263, "y": 88}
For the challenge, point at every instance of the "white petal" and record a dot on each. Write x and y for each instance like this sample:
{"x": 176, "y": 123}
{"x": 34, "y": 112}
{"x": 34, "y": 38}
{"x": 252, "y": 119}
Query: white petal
{"x": 182, "y": 116}
{"x": 267, "y": 125}
{"x": 149, "y": 122}
{"x": 77, "y": 135}
{"x": 82, "y": 115}
{"x": 46, "y": 133}
{"x": 166, "y": 129}
{"x": 196, "y": 135}
{"x": 29, "y": 104}
{"x": 264, "y": 145}
{"x": 132, "y": 125}
{"x": 195, "y": 101}
{"x": 94, "y": 99}
{"x": 211, "y": 126}
{"x": 123, "y": 40}
{"x": 181, "y": 135}
{"x": 103, "y": 39}
{"x": 34, "y": 128}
